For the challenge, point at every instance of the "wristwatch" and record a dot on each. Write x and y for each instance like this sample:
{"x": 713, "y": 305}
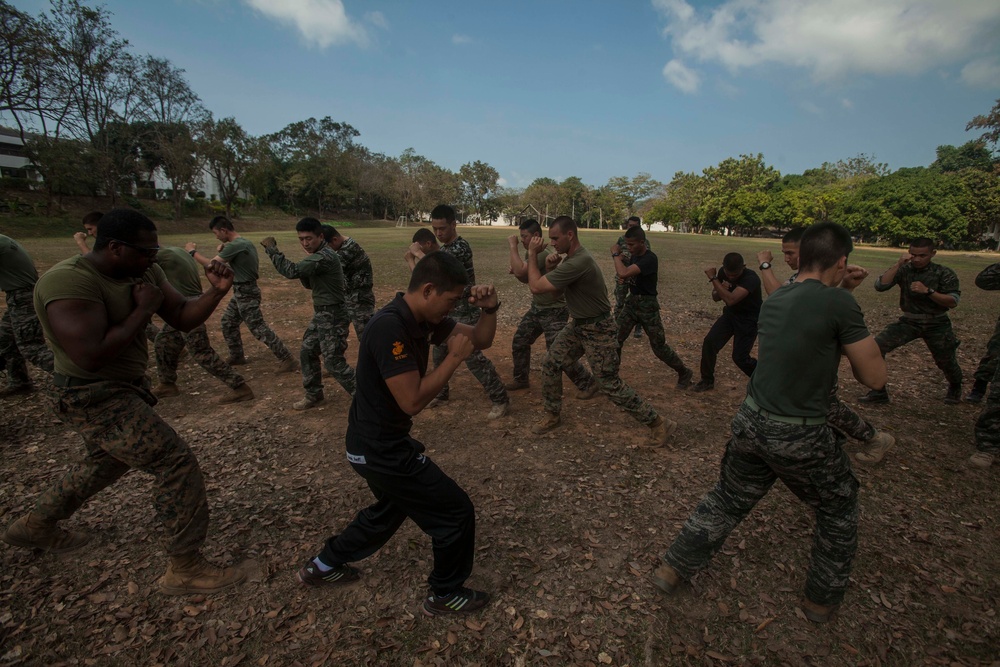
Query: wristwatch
{"x": 490, "y": 311}
{"x": 192, "y": 252}
{"x": 616, "y": 254}
{"x": 764, "y": 266}
{"x": 930, "y": 290}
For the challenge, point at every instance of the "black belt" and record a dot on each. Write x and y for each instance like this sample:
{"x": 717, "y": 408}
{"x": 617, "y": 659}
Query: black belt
{"x": 583, "y": 321}
{"x": 800, "y": 421}
{"x": 66, "y": 381}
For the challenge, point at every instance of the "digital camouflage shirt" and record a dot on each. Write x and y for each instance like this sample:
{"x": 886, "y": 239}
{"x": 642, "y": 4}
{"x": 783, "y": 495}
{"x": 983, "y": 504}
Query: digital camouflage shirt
{"x": 320, "y": 272}
{"x": 462, "y": 251}
{"x": 937, "y": 277}
{"x": 358, "y": 276}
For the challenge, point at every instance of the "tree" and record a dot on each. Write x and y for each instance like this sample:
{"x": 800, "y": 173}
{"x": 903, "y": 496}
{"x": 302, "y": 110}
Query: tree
{"x": 680, "y": 204}
{"x": 230, "y": 153}
{"x": 479, "y": 180}
{"x": 626, "y": 192}
{"x": 970, "y": 155}
{"x": 990, "y": 123}
{"x": 735, "y": 193}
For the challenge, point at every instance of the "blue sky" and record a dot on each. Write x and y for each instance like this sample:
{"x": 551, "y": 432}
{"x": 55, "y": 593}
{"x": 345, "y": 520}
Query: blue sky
{"x": 592, "y": 88}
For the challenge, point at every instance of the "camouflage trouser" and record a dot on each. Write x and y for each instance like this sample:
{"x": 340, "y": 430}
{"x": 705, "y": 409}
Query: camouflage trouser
{"x": 937, "y": 334}
{"x": 621, "y": 295}
{"x": 645, "y": 310}
{"x": 168, "y": 345}
{"x": 151, "y": 332}
{"x": 326, "y": 338}
{"x": 534, "y": 323}
{"x": 843, "y": 418}
{"x": 360, "y": 309}
{"x": 245, "y": 307}
{"x": 121, "y": 431}
{"x": 597, "y": 341}
{"x": 812, "y": 464}
{"x": 988, "y": 364}
{"x": 481, "y": 367}
{"x": 988, "y": 424}
{"x": 21, "y": 336}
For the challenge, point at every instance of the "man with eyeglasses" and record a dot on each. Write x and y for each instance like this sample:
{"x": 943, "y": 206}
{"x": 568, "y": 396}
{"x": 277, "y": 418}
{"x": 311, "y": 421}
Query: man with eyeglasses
{"x": 20, "y": 333}
{"x": 93, "y": 309}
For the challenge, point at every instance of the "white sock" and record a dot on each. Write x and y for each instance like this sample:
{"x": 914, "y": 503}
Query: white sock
{"x": 323, "y": 567}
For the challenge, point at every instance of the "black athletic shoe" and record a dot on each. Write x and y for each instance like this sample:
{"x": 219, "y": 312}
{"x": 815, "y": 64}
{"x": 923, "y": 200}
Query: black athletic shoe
{"x": 310, "y": 575}
{"x": 684, "y": 378}
{"x": 875, "y": 396}
{"x": 462, "y": 601}
{"x": 954, "y": 395}
{"x": 703, "y": 386}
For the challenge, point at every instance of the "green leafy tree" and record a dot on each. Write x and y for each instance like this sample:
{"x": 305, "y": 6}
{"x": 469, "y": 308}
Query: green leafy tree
{"x": 970, "y": 155}
{"x": 479, "y": 181}
{"x": 735, "y": 193}
{"x": 990, "y": 124}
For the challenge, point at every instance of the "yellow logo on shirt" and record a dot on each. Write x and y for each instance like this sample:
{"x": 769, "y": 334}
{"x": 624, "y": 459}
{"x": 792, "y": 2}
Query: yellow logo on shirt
{"x": 397, "y": 350}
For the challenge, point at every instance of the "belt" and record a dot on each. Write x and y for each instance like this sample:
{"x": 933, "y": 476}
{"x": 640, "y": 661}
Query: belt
{"x": 583, "y": 321}
{"x": 328, "y": 309}
{"x": 66, "y": 381}
{"x": 800, "y": 421}
{"x": 643, "y": 296}
{"x": 923, "y": 317}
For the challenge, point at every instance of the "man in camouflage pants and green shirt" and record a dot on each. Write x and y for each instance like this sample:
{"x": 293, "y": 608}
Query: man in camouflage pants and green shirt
{"x": 622, "y": 285}
{"x": 241, "y": 255}
{"x": 358, "y": 278}
{"x": 987, "y": 368}
{"x": 547, "y": 316}
{"x": 326, "y": 335}
{"x": 444, "y": 225}
{"x": 642, "y": 305}
{"x": 988, "y": 424}
{"x": 20, "y": 332}
{"x": 927, "y": 291}
{"x": 591, "y": 332}
{"x": 182, "y": 272}
{"x": 780, "y": 430}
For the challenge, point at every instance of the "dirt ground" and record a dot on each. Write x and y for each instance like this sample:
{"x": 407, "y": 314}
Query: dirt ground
{"x": 570, "y": 525}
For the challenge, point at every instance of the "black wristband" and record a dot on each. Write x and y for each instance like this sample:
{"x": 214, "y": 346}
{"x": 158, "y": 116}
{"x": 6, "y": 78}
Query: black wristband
{"x": 192, "y": 252}
{"x": 491, "y": 311}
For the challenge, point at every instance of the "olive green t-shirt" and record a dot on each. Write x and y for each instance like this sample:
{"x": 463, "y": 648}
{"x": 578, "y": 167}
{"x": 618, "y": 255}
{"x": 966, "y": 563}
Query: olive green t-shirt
{"x": 583, "y": 285}
{"x": 241, "y": 255}
{"x": 801, "y": 330}
{"x": 17, "y": 271}
{"x": 78, "y": 278}
{"x": 548, "y": 299}
{"x": 181, "y": 270}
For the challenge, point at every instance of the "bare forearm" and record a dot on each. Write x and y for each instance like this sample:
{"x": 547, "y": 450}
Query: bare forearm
{"x": 484, "y": 332}
{"x": 770, "y": 280}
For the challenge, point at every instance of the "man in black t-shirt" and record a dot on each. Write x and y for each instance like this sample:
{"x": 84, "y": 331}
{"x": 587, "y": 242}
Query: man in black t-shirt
{"x": 642, "y": 306}
{"x": 392, "y": 386}
{"x": 739, "y": 288}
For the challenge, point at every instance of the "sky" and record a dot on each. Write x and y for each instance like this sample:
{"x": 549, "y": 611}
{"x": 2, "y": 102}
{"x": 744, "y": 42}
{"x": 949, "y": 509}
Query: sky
{"x": 591, "y": 88}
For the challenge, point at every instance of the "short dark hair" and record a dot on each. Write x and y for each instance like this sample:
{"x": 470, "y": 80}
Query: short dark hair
{"x": 424, "y": 235}
{"x": 922, "y": 242}
{"x": 793, "y": 235}
{"x": 633, "y": 218}
{"x": 565, "y": 224}
{"x": 823, "y": 245}
{"x": 328, "y": 233}
{"x": 441, "y": 269}
{"x": 121, "y": 224}
{"x": 311, "y": 225}
{"x": 531, "y": 226}
{"x": 92, "y": 218}
{"x": 733, "y": 262}
{"x": 635, "y": 233}
{"x": 222, "y": 222}
{"x": 443, "y": 212}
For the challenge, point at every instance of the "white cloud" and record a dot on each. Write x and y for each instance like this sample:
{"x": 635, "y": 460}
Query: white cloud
{"x": 320, "y": 22}
{"x": 677, "y": 73}
{"x": 847, "y": 103}
{"x": 982, "y": 73}
{"x": 377, "y": 19}
{"x": 461, "y": 39}
{"x": 836, "y": 38}
{"x": 811, "y": 107}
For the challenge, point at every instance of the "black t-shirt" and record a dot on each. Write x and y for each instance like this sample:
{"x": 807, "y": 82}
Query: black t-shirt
{"x": 392, "y": 343}
{"x": 749, "y": 307}
{"x": 644, "y": 284}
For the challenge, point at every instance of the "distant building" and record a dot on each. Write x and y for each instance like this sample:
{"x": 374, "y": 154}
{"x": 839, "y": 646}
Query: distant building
{"x": 14, "y": 160}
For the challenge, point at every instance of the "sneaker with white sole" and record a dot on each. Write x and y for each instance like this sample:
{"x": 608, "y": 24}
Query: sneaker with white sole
{"x": 981, "y": 460}
{"x": 499, "y": 410}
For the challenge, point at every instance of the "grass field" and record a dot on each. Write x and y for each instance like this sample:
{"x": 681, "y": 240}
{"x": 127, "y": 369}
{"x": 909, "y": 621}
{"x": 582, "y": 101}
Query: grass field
{"x": 569, "y": 524}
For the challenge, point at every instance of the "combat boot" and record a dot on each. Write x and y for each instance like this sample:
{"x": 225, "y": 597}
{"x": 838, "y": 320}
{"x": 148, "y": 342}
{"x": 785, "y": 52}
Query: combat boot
{"x": 876, "y": 448}
{"x": 660, "y": 431}
{"x": 307, "y": 403}
{"x": 818, "y": 613}
{"x": 516, "y": 385}
{"x": 589, "y": 392}
{"x": 548, "y": 422}
{"x": 236, "y": 360}
{"x": 237, "y": 395}
{"x": 684, "y": 378}
{"x": 33, "y": 532}
{"x": 875, "y": 396}
{"x": 191, "y": 573}
{"x": 288, "y": 365}
{"x": 978, "y": 392}
{"x": 981, "y": 460}
{"x": 666, "y": 578}
{"x": 954, "y": 395}
{"x": 166, "y": 390}
{"x": 499, "y": 410}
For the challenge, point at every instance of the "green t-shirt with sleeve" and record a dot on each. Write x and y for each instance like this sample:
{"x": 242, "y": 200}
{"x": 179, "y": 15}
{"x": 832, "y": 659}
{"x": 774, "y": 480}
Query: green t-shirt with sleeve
{"x": 582, "y": 283}
{"x": 17, "y": 271}
{"x": 320, "y": 272}
{"x": 181, "y": 270}
{"x": 241, "y": 255}
{"x": 78, "y": 278}
{"x": 801, "y": 330}
{"x": 549, "y": 299}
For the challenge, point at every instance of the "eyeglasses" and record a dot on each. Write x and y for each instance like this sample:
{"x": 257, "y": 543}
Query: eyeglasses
{"x": 148, "y": 252}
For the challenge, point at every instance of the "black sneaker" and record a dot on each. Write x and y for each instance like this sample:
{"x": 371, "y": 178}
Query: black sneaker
{"x": 954, "y": 395}
{"x": 875, "y": 396}
{"x": 310, "y": 575}
{"x": 703, "y": 386}
{"x": 684, "y": 378}
{"x": 462, "y": 601}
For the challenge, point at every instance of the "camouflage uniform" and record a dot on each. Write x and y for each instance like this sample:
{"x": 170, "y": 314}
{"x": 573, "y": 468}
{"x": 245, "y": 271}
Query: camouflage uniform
{"x": 326, "y": 336}
{"x": 20, "y": 337}
{"x": 121, "y": 431}
{"x": 245, "y": 307}
{"x": 621, "y": 287}
{"x": 988, "y": 424}
{"x": 596, "y": 339}
{"x": 644, "y": 310}
{"x": 923, "y": 318}
{"x": 844, "y": 419}
{"x": 989, "y": 279}
{"x": 359, "y": 280}
{"x": 477, "y": 362}
{"x": 168, "y": 345}
{"x": 151, "y": 332}
{"x": 548, "y": 322}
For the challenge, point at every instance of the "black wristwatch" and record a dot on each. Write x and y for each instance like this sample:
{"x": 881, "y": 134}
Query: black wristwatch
{"x": 764, "y": 266}
{"x": 931, "y": 290}
{"x": 490, "y": 311}
{"x": 192, "y": 252}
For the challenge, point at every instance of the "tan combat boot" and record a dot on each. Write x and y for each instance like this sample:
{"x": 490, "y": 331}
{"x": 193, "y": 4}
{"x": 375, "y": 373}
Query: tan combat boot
{"x": 818, "y": 613}
{"x": 548, "y": 422}
{"x": 876, "y": 448}
{"x": 660, "y": 431}
{"x": 666, "y": 578}
{"x": 166, "y": 389}
{"x": 288, "y": 365}
{"x": 191, "y": 573}
{"x": 589, "y": 392}
{"x": 33, "y": 532}
{"x": 237, "y": 395}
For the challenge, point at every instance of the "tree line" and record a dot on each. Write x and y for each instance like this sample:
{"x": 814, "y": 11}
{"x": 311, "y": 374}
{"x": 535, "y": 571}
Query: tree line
{"x": 98, "y": 119}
